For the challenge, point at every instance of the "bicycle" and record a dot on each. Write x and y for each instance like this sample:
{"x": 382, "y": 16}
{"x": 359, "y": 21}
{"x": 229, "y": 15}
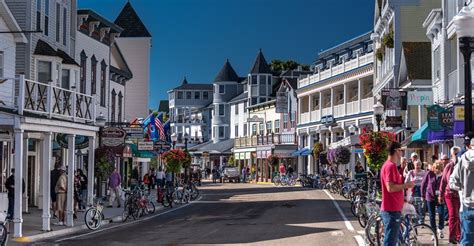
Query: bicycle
{"x": 93, "y": 216}
{"x": 3, "y": 229}
{"x": 163, "y": 198}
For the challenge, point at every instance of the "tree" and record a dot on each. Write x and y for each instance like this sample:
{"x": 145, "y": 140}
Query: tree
{"x": 279, "y": 65}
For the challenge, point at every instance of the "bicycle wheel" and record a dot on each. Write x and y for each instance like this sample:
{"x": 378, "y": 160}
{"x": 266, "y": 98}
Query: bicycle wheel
{"x": 93, "y": 219}
{"x": 165, "y": 201}
{"x": 362, "y": 220}
{"x": 3, "y": 235}
{"x": 353, "y": 209}
{"x": 194, "y": 194}
{"x": 422, "y": 234}
{"x": 276, "y": 181}
{"x": 125, "y": 214}
{"x": 374, "y": 230}
{"x": 150, "y": 207}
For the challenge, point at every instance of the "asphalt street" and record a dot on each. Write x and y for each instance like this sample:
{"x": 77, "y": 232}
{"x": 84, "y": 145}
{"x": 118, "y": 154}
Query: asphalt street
{"x": 236, "y": 214}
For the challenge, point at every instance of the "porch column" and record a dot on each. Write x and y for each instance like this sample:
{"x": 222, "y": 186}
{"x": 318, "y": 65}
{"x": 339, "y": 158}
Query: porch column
{"x": 332, "y": 101}
{"x": 25, "y": 168}
{"x": 310, "y": 157}
{"x": 46, "y": 166}
{"x": 359, "y": 95}
{"x": 300, "y": 158}
{"x": 71, "y": 139}
{"x": 18, "y": 208}
{"x": 344, "y": 95}
{"x": 90, "y": 171}
{"x": 320, "y": 105}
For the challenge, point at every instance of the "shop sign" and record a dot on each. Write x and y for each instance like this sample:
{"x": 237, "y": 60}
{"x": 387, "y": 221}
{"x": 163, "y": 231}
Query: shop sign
{"x": 420, "y": 98}
{"x": 327, "y": 120}
{"x": 281, "y": 102}
{"x": 127, "y": 152}
{"x": 255, "y": 119}
{"x": 434, "y": 116}
{"x": 459, "y": 112}
{"x": 145, "y": 145}
{"x": 113, "y": 136}
{"x": 81, "y": 142}
{"x": 446, "y": 119}
{"x": 161, "y": 145}
{"x": 134, "y": 132}
{"x": 394, "y": 99}
{"x": 393, "y": 121}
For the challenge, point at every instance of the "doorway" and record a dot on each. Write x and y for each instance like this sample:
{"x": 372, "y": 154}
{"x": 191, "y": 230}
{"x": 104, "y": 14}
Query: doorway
{"x": 32, "y": 178}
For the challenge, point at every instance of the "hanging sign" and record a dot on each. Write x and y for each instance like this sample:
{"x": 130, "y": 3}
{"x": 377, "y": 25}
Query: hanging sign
{"x": 435, "y": 114}
{"x": 113, "y": 136}
{"x": 394, "y": 99}
{"x": 134, "y": 132}
{"x": 145, "y": 145}
{"x": 81, "y": 142}
{"x": 393, "y": 121}
{"x": 446, "y": 119}
{"x": 420, "y": 98}
{"x": 281, "y": 102}
{"x": 255, "y": 118}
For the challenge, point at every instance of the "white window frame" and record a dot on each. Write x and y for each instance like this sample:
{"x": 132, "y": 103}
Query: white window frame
{"x": 221, "y": 91}
{"x": 221, "y": 112}
{"x": 219, "y": 132}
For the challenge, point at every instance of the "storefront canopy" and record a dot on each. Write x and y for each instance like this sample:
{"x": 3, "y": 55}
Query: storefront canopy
{"x": 440, "y": 137}
{"x": 302, "y": 152}
{"x": 421, "y": 134}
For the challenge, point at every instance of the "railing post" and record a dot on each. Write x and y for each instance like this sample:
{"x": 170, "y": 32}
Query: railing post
{"x": 21, "y": 95}
{"x": 74, "y": 108}
{"x": 94, "y": 112}
{"x": 49, "y": 99}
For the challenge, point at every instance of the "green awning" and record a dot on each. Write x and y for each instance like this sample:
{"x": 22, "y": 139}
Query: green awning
{"x": 141, "y": 153}
{"x": 421, "y": 134}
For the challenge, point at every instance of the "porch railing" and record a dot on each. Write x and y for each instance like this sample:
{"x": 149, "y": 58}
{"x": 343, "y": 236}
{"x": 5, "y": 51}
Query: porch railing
{"x": 52, "y": 101}
{"x": 274, "y": 138}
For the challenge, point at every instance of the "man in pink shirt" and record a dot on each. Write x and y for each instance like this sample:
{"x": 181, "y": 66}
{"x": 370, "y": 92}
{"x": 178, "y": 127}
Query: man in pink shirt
{"x": 392, "y": 195}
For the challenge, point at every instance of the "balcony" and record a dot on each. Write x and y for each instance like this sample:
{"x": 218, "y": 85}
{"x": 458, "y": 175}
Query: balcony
{"x": 367, "y": 104}
{"x": 54, "y": 102}
{"x": 305, "y": 118}
{"x": 270, "y": 139}
{"x": 326, "y": 111}
{"x": 339, "y": 110}
{"x": 352, "y": 107}
{"x": 181, "y": 119}
{"x": 336, "y": 70}
{"x": 315, "y": 116}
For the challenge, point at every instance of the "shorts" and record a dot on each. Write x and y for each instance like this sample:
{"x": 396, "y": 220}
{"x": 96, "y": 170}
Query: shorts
{"x": 61, "y": 201}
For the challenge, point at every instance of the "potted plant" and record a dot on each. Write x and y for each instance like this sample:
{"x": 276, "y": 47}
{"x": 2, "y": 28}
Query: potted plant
{"x": 176, "y": 159}
{"x": 387, "y": 39}
{"x": 379, "y": 53}
{"x": 375, "y": 145}
{"x": 104, "y": 166}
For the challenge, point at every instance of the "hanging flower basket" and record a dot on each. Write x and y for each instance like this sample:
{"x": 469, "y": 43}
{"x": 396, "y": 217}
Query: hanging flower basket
{"x": 375, "y": 145}
{"x": 317, "y": 149}
{"x": 323, "y": 158}
{"x": 176, "y": 159}
{"x": 342, "y": 155}
{"x": 105, "y": 162}
{"x": 380, "y": 53}
{"x": 387, "y": 39}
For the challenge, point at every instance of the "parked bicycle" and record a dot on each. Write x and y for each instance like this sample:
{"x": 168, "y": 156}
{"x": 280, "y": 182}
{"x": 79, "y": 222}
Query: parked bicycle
{"x": 93, "y": 216}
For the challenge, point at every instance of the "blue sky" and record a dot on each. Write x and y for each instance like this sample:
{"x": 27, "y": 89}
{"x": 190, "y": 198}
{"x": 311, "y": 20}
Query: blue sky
{"x": 193, "y": 38}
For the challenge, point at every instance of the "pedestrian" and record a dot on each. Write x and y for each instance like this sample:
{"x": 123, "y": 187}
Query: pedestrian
{"x": 114, "y": 187}
{"x": 146, "y": 180}
{"x": 244, "y": 174}
{"x": 282, "y": 170}
{"x": 152, "y": 179}
{"x": 450, "y": 197}
{"x": 10, "y": 185}
{"x": 402, "y": 166}
{"x": 430, "y": 193}
{"x": 392, "y": 195}
{"x": 359, "y": 168}
{"x": 416, "y": 176}
{"x": 83, "y": 189}
{"x": 462, "y": 180}
{"x": 214, "y": 174}
{"x": 290, "y": 171}
{"x": 135, "y": 178}
{"x": 410, "y": 163}
{"x": 160, "y": 177}
{"x": 61, "y": 193}
{"x": 55, "y": 173}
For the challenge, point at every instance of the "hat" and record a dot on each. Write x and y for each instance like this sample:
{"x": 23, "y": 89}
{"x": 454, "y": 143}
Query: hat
{"x": 414, "y": 154}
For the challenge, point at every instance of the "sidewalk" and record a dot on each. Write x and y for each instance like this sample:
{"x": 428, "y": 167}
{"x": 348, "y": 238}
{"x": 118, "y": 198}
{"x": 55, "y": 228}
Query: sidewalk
{"x": 32, "y": 223}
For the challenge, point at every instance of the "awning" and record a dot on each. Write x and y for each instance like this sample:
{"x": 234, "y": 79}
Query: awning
{"x": 302, "y": 152}
{"x": 141, "y": 153}
{"x": 440, "y": 137}
{"x": 458, "y": 129}
{"x": 283, "y": 152}
{"x": 421, "y": 134}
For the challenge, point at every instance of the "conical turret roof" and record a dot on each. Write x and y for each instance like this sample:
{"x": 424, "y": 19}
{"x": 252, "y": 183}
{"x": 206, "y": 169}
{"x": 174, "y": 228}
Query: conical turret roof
{"x": 260, "y": 65}
{"x": 131, "y": 23}
{"x": 227, "y": 73}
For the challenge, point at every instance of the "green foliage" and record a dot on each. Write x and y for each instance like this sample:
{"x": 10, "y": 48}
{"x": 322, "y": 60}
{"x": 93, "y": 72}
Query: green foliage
{"x": 279, "y": 65}
{"x": 105, "y": 161}
{"x": 387, "y": 39}
{"x": 231, "y": 161}
{"x": 379, "y": 53}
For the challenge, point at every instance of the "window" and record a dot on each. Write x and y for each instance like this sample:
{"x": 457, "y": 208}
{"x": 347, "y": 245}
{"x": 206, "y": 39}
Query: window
{"x": 205, "y": 95}
{"x": 120, "y": 103}
{"x": 103, "y": 84}
{"x": 236, "y": 108}
{"x": 260, "y": 128}
{"x": 437, "y": 64}
{"x": 245, "y": 87}
{"x": 254, "y": 100}
{"x": 197, "y": 95}
{"x": 65, "y": 79}
{"x": 221, "y": 89}
{"x": 112, "y": 111}
{"x": 82, "y": 86}
{"x": 277, "y": 126}
{"x": 343, "y": 58}
{"x": 46, "y": 17}
{"x": 254, "y": 80}
{"x": 269, "y": 127}
{"x": 180, "y": 95}
{"x": 269, "y": 80}
{"x": 221, "y": 110}
{"x": 94, "y": 76}
{"x": 58, "y": 22}
{"x": 64, "y": 26}
{"x": 44, "y": 71}
{"x": 236, "y": 130}
{"x": 221, "y": 132}
{"x": 293, "y": 119}
{"x": 315, "y": 102}
{"x": 285, "y": 121}
{"x": 188, "y": 95}
{"x": 1, "y": 64}
{"x": 38, "y": 15}
{"x": 214, "y": 132}
{"x": 263, "y": 80}
{"x": 254, "y": 129}
{"x": 245, "y": 130}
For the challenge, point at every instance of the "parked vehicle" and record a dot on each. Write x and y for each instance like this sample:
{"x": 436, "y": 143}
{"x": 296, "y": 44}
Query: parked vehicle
{"x": 230, "y": 174}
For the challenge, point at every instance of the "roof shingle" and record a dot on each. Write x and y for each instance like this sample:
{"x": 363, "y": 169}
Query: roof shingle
{"x": 227, "y": 73}
{"x": 260, "y": 65}
{"x": 129, "y": 20}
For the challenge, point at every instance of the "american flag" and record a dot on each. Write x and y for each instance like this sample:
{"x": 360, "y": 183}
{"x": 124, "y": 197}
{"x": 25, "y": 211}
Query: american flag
{"x": 159, "y": 127}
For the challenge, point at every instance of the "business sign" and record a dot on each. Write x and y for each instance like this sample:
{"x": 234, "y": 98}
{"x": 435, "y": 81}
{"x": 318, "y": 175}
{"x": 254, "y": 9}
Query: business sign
{"x": 459, "y": 112}
{"x": 394, "y": 99}
{"x": 446, "y": 119}
{"x": 393, "y": 121}
{"x": 281, "y": 102}
{"x": 134, "y": 132}
{"x": 327, "y": 120}
{"x": 81, "y": 142}
{"x": 255, "y": 119}
{"x": 161, "y": 146}
{"x": 145, "y": 145}
{"x": 113, "y": 136}
{"x": 417, "y": 98}
{"x": 434, "y": 116}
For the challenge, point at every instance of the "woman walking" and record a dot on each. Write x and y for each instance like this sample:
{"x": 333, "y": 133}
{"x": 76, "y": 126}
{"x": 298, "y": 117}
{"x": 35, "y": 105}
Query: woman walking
{"x": 429, "y": 192}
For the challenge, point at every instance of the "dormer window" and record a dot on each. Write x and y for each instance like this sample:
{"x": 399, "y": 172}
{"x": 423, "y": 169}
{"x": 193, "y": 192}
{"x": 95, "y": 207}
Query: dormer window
{"x": 331, "y": 63}
{"x": 370, "y": 47}
{"x": 343, "y": 58}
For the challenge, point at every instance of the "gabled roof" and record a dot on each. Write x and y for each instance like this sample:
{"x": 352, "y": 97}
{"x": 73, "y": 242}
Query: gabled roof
{"x": 66, "y": 58}
{"x": 44, "y": 49}
{"x": 11, "y": 23}
{"x": 240, "y": 97}
{"x": 131, "y": 23}
{"x": 260, "y": 65}
{"x": 227, "y": 73}
{"x": 418, "y": 59}
{"x": 97, "y": 17}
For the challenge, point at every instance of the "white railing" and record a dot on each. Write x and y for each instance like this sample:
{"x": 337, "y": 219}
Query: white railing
{"x": 305, "y": 117}
{"x": 342, "y": 68}
{"x": 315, "y": 115}
{"x": 352, "y": 107}
{"x": 339, "y": 110}
{"x": 367, "y": 104}
{"x": 45, "y": 99}
{"x": 326, "y": 111}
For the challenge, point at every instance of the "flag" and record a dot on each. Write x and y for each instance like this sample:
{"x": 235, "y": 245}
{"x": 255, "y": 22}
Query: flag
{"x": 159, "y": 126}
{"x": 167, "y": 130}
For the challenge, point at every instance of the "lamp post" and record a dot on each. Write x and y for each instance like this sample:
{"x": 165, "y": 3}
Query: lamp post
{"x": 464, "y": 25}
{"x": 174, "y": 137}
{"x": 352, "y": 129}
{"x": 100, "y": 122}
{"x": 378, "y": 112}
{"x": 186, "y": 136}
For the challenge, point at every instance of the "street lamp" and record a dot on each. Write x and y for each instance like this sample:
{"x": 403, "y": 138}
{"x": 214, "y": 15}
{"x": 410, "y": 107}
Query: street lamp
{"x": 174, "y": 137}
{"x": 186, "y": 136}
{"x": 100, "y": 122}
{"x": 378, "y": 112}
{"x": 352, "y": 129}
{"x": 464, "y": 25}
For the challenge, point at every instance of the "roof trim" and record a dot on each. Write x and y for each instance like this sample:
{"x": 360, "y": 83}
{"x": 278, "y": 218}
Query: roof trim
{"x": 11, "y": 23}
{"x": 100, "y": 18}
